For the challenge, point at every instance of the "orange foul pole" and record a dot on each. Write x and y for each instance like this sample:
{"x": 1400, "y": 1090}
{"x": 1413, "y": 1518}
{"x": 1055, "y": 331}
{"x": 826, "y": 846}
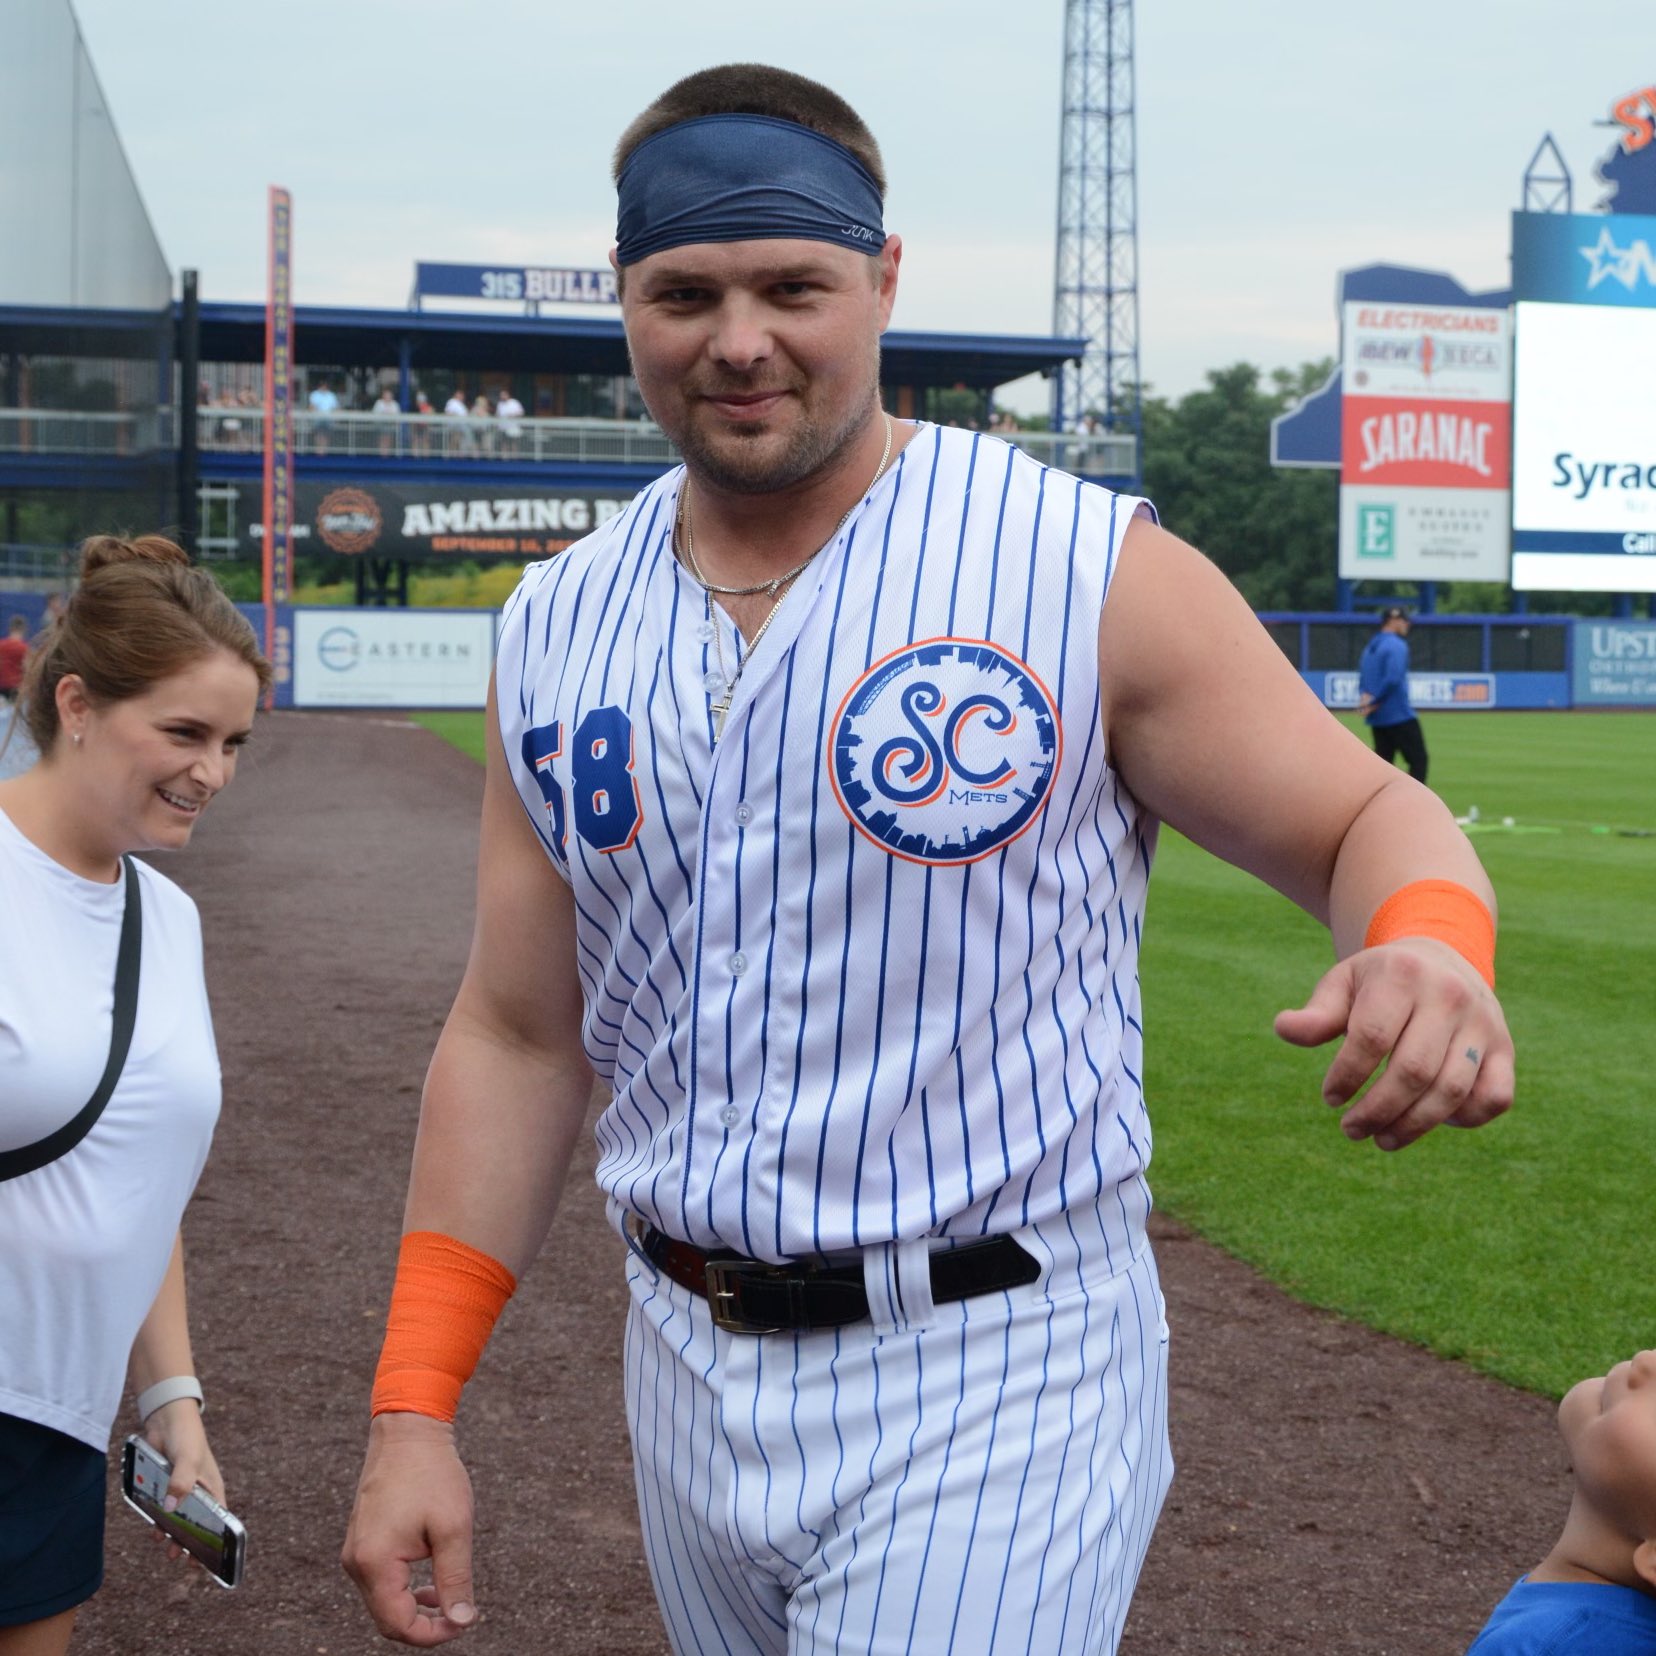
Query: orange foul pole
{"x": 278, "y": 414}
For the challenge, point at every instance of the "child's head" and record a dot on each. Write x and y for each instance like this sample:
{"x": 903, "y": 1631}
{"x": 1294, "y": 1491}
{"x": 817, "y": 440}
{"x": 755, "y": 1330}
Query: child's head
{"x": 1609, "y": 1427}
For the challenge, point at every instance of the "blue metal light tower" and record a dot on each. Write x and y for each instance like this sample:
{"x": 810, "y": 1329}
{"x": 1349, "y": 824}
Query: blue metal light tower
{"x": 1547, "y": 186}
{"x": 1095, "y": 281}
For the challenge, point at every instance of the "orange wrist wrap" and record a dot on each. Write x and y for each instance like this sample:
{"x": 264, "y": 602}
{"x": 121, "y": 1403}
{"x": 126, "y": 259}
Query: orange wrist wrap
{"x": 443, "y": 1306}
{"x": 1440, "y": 909}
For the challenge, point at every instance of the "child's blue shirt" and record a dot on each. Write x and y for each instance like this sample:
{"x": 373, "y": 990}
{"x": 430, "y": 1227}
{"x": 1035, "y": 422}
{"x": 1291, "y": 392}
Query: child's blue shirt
{"x": 1567, "y": 1618}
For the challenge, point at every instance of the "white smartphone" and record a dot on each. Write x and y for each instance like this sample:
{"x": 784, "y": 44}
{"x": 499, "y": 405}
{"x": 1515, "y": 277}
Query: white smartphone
{"x": 204, "y": 1529}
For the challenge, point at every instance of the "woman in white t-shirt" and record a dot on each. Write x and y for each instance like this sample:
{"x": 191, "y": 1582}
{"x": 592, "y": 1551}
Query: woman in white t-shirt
{"x": 139, "y": 699}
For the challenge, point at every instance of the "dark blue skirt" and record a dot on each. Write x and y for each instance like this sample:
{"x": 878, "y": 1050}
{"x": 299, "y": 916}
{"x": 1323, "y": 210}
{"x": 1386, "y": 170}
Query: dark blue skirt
{"x": 51, "y": 1521}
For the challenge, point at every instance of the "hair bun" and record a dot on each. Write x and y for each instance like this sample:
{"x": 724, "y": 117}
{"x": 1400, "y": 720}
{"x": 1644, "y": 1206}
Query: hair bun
{"x": 102, "y": 550}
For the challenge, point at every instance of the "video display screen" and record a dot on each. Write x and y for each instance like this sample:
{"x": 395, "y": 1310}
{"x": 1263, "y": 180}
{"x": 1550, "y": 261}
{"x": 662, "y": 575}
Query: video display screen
{"x": 1584, "y": 449}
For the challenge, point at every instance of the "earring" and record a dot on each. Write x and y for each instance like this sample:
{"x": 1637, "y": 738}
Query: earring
{"x": 76, "y": 738}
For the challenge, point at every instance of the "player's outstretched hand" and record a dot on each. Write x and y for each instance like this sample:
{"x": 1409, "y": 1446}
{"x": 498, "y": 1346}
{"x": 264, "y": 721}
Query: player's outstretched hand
{"x": 1421, "y": 1009}
{"x": 413, "y": 1501}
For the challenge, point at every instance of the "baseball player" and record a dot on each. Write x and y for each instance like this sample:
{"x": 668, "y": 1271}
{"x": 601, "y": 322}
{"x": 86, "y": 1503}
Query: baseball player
{"x": 821, "y": 799}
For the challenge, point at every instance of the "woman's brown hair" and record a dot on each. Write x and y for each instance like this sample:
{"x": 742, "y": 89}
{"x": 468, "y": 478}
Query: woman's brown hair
{"x": 141, "y": 613}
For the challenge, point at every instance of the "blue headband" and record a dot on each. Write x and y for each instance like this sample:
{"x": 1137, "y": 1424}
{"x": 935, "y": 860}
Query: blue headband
{"x": 724, "y": 178}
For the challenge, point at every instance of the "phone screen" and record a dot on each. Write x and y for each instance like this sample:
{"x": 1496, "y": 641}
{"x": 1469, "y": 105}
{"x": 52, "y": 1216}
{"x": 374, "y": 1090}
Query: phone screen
{"x": 198, "y": 1523}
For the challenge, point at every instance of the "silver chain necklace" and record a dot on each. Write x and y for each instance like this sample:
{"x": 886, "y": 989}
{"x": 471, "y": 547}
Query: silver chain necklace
{"x": 774, "y": 589}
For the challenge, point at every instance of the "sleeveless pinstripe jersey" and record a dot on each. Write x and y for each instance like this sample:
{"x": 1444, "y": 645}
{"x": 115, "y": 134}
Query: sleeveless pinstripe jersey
{"x": 867, "y": 969}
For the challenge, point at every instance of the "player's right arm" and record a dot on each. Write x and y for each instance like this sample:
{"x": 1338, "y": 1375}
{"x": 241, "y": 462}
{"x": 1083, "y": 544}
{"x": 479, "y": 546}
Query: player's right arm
{"x": 505, "y": 1098}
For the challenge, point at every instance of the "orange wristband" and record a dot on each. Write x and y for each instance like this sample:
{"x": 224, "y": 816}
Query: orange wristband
{"x": 444, "y": 1303}
{"x": 1440, "y": 909}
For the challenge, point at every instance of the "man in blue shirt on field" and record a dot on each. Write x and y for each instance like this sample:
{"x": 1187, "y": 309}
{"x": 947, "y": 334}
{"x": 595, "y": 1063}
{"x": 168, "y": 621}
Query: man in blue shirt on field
{"x": 1383, "y": 694}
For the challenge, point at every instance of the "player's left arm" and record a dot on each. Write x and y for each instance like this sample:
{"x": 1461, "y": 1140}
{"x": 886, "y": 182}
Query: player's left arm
{"x": 1215, "y": 732}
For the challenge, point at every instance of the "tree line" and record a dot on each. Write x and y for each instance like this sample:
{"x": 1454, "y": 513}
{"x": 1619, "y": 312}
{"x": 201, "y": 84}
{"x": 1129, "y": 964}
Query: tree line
{"x": 1207, "y": 466}
{"x": 1275, "y": 533}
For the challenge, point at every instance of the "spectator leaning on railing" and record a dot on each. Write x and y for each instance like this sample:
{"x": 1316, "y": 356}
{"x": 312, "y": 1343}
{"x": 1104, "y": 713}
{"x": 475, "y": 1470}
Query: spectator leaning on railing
{"x": 387, "y": 408}
{"x": 456, "y": 407}
{"x": 422, "y": 431}
{"x": 509, "y": 411}
{"x": 323, "y": 402}
{"x": 483, "y": 436}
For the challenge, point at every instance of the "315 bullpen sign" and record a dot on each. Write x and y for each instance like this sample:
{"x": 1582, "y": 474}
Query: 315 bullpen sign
{"x": 533, "y": 284}
{"x": 1425, "y": 450}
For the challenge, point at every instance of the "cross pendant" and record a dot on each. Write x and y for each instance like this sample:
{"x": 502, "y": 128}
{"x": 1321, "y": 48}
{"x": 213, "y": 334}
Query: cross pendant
{"x": 720, "y": 708}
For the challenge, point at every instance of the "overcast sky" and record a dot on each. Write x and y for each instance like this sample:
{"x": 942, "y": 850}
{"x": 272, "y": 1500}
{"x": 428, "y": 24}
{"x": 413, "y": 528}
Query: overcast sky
{"x": 1277, "y": 144}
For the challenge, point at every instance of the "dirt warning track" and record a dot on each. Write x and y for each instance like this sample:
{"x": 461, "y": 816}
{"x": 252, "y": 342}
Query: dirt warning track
{"x": 1337, "y": 1492}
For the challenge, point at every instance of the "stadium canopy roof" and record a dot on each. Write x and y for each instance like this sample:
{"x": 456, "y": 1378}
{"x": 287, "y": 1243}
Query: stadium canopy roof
{"x": 340, "y": 337}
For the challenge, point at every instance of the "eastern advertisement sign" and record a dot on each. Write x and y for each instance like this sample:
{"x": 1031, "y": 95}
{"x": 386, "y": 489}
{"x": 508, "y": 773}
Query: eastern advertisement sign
{"x": 1614, "y": 664}
{"x": 1425, "y": 456}
{"x": 438, "y": 520}
{"x": 392, "y": 658}
{"x": 1584, "y": 449}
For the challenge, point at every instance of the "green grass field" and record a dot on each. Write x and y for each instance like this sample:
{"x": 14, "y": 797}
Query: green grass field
{"x": 463, "y": 730}
{"x": 1524, "y": 1248}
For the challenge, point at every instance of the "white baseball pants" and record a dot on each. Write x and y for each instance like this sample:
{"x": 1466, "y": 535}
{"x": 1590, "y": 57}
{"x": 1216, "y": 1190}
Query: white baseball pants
{"x": 976, "y": 1477}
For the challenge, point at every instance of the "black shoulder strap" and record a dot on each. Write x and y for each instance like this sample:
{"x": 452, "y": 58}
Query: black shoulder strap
{"x": 26, "y": 1158}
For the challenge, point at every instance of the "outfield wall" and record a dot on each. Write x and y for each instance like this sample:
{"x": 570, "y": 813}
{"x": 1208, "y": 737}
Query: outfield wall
{"x": 1455, "y": 692}
{"x": 334, "y": 657}
{"x": 388, "y": 658}
{"x": 1482, "y": 662}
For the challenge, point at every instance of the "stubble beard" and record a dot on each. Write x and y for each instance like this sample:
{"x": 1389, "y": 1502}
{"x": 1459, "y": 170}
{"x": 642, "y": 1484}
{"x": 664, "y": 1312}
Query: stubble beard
{"x": 740, "y": 464}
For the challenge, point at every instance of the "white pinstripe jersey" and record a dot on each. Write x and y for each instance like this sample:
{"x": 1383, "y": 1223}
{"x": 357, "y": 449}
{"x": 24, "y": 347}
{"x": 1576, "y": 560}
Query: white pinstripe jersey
{"x": 866, "y": 969}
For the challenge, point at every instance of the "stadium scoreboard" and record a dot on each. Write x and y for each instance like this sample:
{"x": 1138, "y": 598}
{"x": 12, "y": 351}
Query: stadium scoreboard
{"x": 1584, "y": 419}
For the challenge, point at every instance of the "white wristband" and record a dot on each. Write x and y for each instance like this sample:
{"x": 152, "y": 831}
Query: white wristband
{"x": 164, "y": 1392}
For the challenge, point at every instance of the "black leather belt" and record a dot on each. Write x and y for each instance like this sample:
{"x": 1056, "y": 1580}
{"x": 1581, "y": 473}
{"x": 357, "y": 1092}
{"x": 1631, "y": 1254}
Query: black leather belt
{"x": 751, "y": 1296}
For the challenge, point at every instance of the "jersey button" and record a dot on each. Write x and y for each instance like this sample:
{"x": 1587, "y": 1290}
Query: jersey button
{"x": 712, "y": 682}
{"x": 744, "y": 814}
{"x": 704, "y": 631}
{"x": 738, "y": 963}
{"x": 730, "y": 1115}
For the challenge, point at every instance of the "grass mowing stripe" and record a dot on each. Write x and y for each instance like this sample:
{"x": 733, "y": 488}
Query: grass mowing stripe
{"x": 1521, "y": 1247}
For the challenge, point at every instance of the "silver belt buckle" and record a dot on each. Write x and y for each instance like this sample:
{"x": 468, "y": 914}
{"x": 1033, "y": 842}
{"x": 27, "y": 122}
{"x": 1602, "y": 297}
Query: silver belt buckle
{"x": 724, "y": 1297}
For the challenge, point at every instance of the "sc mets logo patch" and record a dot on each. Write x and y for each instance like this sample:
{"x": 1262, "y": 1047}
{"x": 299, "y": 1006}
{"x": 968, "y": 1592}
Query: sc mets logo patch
{"x": 945, "y": 751}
